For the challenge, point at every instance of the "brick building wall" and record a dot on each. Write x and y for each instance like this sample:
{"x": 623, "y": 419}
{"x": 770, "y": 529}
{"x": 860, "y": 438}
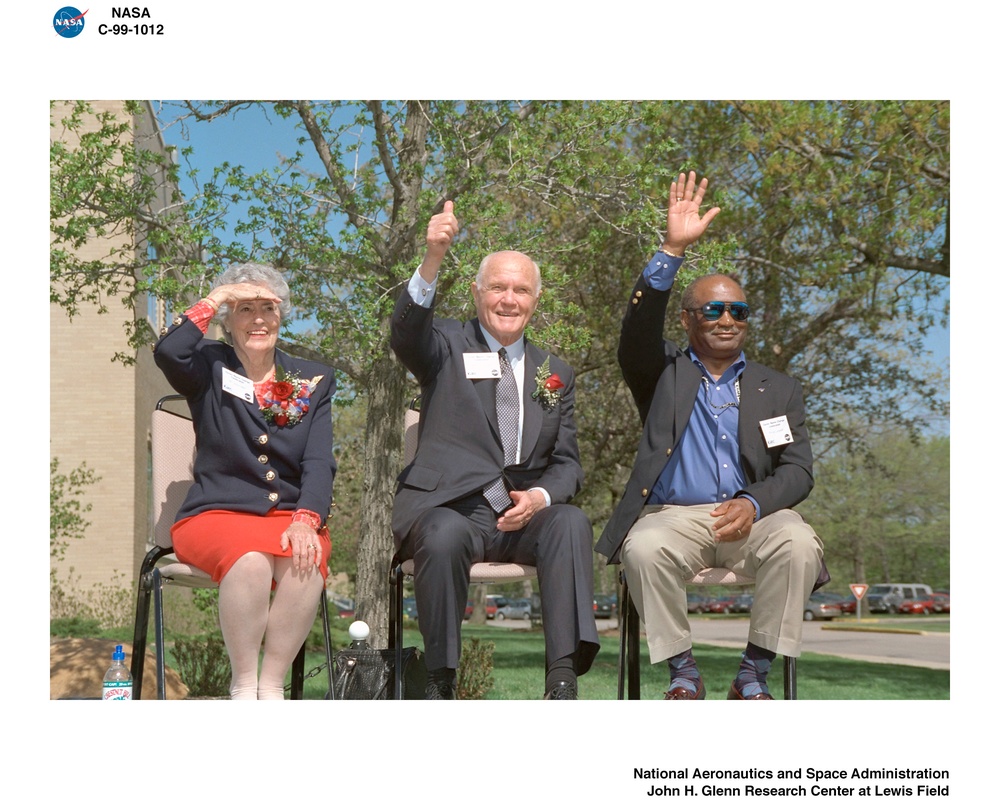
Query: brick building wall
{"x": 100, "y": 415}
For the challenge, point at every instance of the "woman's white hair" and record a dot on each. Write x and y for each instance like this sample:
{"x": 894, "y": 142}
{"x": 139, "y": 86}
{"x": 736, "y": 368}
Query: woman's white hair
{"x": 255, "y": 273}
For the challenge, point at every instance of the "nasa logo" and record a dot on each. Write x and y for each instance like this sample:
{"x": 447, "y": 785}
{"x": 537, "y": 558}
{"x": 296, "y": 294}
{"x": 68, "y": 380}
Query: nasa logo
{"x": 68, "y": 22}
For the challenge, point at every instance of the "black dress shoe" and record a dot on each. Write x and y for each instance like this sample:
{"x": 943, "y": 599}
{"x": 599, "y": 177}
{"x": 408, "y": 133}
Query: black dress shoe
{"x": 439, "y": 690}
{"x": 736, "y": 694}
{"x": 563, "y": 690}
{"x": 440, "y": 684}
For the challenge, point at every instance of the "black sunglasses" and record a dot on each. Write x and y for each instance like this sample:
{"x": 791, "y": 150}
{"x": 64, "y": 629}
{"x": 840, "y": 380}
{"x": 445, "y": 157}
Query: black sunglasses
{"x": 715, "y": 310}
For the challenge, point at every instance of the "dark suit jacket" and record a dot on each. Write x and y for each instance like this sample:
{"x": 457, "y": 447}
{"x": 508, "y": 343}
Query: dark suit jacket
{"x": 665, "y": 383}
{"x": 243, "y": 462}
{"x": 459, "y": 449}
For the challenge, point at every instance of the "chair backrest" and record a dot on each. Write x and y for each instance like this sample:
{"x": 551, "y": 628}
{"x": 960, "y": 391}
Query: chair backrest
{"x": 721, "y": 576}
{"x": 172, "y": 443}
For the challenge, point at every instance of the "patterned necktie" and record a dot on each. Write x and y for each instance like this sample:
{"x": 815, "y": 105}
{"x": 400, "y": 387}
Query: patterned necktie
{"x": 508, "y": 411}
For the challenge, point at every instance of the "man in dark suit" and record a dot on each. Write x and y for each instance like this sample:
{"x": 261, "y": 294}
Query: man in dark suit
{"x": 724, "y": 456}
{"x": 496, "y": 465}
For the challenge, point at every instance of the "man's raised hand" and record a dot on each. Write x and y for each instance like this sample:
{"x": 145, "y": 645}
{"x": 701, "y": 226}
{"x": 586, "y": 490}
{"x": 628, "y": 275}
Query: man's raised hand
{"x": 684, "y": 225}
{"x": 441, "y": 232}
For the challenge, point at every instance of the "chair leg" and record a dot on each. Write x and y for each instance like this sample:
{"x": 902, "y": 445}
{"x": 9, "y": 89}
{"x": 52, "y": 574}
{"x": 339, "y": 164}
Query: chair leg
{"x": 298, "y": 673}
{"x": 791, "y": 679}
{"x": 623, "y": 631}
{"x": 396, "y": 629}
{"x": 161, "y": 668}
{"x": 633, "y": 651}
{"x": 325, "y": 613}
{"x": 140, "y": 633}
{"x": 628, "y": 644}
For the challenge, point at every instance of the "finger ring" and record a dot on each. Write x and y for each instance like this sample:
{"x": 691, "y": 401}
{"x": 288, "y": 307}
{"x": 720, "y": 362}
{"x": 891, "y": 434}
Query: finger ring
{"x": 312, "y": 547}
{"x": 739, "y": 531}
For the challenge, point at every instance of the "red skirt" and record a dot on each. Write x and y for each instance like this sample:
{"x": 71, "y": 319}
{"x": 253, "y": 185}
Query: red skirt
{"x": 213, "y": 541}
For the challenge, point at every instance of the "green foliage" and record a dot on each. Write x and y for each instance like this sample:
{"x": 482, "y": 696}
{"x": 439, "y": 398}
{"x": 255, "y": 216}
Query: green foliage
{"x": 475, "y": 670}
{"x": 203, "y": 664}
{"x": 109, "y": 605}
{"x": 835, "y": 218}
{"x": 206, "y": 601}
{"x": 884, "y": 512}
{"x": 67, "y": 518}
{"x": 75, "y": 628}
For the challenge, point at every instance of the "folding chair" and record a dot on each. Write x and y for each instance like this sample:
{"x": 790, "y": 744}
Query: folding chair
{"x": 482, "y": 573}
{"x": 173, "y": 448}
{"x": 628, "y": 646}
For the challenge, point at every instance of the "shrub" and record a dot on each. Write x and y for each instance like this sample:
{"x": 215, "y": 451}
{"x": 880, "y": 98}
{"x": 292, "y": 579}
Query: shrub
{"x": 110, "y": 605}
{"x": 75, "y": 628}
{"x": 475, "y": 670}
{"x": 203, "y": 664}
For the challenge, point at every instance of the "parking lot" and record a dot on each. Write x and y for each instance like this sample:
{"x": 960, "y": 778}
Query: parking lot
{"x": 931, "y": 650}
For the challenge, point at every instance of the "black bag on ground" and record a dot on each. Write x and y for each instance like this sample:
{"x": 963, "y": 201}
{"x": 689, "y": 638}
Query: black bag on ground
{"x": 366, "y": 674}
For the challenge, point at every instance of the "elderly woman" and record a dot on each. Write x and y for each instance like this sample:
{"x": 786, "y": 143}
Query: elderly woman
{"x": 254, "y": 518}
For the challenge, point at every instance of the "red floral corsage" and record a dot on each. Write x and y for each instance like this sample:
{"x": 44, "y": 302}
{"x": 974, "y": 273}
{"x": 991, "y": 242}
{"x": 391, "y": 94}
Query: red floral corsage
{"x": 547, "y": 385}
{"x": 285, "y": 401}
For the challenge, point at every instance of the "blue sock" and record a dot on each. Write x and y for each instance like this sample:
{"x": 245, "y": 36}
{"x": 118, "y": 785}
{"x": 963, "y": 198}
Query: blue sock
{"x": 684, "y": 671}
{"x": 751, "y": 678}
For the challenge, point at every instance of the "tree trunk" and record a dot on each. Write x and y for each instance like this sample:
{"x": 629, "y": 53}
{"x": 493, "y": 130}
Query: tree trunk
{"x": 383, "y": 457}
{"x": 478, "y": 597}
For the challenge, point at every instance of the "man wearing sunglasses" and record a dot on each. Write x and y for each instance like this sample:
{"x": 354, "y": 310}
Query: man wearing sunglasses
{"x": 723, "y": 458}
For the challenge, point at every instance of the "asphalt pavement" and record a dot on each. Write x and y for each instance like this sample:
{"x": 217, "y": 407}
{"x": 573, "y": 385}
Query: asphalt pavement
{"x": 843, "y": 638}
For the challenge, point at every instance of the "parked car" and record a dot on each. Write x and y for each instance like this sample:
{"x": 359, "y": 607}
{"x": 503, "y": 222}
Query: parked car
{"x": 698, "y": 603}
{"x": 409, "y": 608}
{"x": 741, "y": 605}
{"x": 922, "y": 605}
{"x": 720, "y": 605}
{"x": 820, "y": 609}
{"x": 605, "y": 606}
{"x": 886, "y": 597}
{"x": 491, "y": 608}
{"x": 517, "y": 608}
{"x": 848, "y": 605}
{"x": 942, "y": 602}
{"x": 344, "y": 606}
{"x": 498, "y": 599}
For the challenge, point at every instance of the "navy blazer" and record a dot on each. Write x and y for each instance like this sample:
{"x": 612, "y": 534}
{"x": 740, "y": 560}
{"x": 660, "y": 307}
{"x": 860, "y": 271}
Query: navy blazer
{"x": 243, "y": 462}
{"x": 664, "y": 383}
{"x": 459, "y": 450}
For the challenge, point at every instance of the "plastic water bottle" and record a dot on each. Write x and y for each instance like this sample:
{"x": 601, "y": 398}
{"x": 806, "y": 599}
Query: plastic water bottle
{"x": 118, "y": 679}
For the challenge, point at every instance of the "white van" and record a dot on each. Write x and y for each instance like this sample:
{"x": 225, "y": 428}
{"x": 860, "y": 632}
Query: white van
{"x": 886, "y": 597}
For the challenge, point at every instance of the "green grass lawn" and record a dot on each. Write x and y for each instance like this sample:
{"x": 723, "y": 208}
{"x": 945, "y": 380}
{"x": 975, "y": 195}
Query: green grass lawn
{"x": 519, "y": 657}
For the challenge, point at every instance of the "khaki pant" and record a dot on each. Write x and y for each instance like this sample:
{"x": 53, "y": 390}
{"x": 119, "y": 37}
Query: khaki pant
{"x": 668, "y": 545}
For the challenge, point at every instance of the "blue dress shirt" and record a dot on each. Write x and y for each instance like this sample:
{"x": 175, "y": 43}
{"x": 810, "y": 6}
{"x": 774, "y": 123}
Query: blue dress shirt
{"x": 705, "y": 466}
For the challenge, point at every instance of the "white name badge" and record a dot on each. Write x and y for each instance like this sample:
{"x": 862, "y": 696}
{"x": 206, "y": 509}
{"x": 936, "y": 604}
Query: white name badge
{"x": 237, "y": 385}
{"x": 482, "y": 365}
{"x": 776, "y": 431}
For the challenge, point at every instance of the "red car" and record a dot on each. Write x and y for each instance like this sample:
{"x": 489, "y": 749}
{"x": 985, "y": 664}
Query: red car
{"x": 722, "y": 605}
{"x": 491, "y": 608}
{"x": 920, "y": 605}
{"x": 942, "y": 602}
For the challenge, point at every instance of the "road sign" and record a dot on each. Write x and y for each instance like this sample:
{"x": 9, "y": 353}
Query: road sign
{"x": 859, "y": 589}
